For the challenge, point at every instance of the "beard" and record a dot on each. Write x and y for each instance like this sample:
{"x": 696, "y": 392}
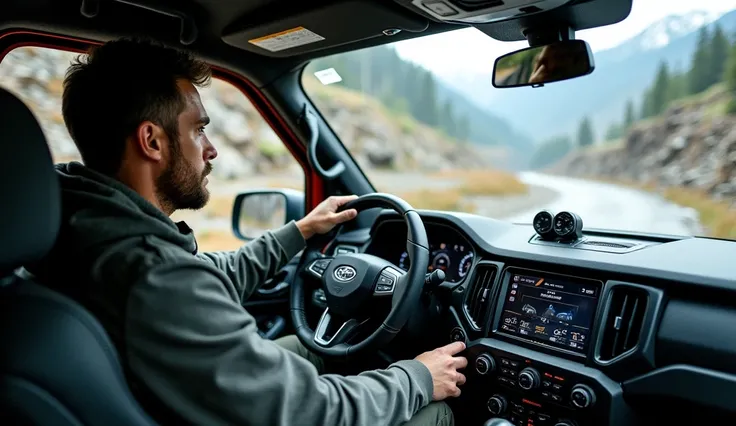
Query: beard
{"x": 180, "y": 186}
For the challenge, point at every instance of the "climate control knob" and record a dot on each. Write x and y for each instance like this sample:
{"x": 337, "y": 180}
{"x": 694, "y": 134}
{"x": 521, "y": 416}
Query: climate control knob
{"x": 582, "y": 396}
{"x": 496, "y": 405}
{"x": 485, "y": 364}
{"x": 529, "y": 379}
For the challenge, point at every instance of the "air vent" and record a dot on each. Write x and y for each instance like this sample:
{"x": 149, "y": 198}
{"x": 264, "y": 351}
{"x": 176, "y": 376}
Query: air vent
{"x": 479, "y": 294}
{"x": 626, "y": 309}
{"x": 607, "y": 244}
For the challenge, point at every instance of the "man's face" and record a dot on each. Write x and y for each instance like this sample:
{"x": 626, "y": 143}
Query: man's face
{"x": 183, "y": 184}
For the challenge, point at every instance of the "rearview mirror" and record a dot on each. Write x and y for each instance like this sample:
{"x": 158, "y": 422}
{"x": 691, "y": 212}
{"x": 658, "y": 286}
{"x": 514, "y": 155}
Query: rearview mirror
{"x": 256, "y": 212}
{"x": 536, "y": 66}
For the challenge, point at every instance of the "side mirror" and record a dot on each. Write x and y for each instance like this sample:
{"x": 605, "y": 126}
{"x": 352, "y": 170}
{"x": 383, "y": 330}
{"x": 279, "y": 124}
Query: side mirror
{"x": 536, "y": 66}
{"x": 258, "y": 211}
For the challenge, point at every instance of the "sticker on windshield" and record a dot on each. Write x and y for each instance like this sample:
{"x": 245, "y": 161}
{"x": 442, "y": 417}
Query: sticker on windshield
{"x": 283, "y": 40}
{"x": 328, "y": 76}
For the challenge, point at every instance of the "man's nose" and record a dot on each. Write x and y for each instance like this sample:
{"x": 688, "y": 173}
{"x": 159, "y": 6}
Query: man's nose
{"x": 210, "y": 151}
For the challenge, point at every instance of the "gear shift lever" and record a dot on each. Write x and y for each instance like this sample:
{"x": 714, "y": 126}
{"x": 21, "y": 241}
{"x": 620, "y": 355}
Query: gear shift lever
{"x": 497, "y": 421}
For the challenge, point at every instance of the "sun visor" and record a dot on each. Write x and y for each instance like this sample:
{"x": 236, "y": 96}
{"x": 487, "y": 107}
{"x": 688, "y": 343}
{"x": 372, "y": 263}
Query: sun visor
{"x": 321, "y": 28}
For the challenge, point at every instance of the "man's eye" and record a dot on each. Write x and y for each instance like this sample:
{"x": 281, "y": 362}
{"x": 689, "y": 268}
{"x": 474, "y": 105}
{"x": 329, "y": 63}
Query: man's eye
{"x": 201, "y": 129}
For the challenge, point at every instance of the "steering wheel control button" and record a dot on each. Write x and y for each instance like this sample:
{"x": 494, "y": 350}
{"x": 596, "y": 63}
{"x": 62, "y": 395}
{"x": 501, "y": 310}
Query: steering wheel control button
{"x": 457, "y": 335}
{"x": 386, "y": 282}
{"x": 497, "y": 405}
{"x": 529, "y": 379}
{"x": 582, "y": 396}
{"x": 319, "y": 266}
{"x": 484, "y": 364}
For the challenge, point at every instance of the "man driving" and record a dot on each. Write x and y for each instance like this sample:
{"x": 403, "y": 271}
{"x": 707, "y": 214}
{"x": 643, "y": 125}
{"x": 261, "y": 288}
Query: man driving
{"x": 191, "y": 351}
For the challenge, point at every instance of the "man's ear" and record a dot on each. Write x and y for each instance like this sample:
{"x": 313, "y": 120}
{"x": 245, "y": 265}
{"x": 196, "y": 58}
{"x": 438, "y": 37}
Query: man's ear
{"x": 149, "y": 142}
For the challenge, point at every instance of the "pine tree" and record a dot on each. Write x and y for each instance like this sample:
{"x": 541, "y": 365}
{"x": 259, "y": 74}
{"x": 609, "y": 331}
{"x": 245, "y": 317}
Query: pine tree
{"x": 647, "y": 109}
{"x": 719, "y": 47}
{"x": 698, "y": 74}
{"x": 585, "y": 133}
{"x": 428, "y": 103}
{"x": 615, "y": 131}
{"x": 730, "y": 77}
{"x": 447, "y": 119}
{"x": 659, "y": 93}
{"x": 629, "y": 115}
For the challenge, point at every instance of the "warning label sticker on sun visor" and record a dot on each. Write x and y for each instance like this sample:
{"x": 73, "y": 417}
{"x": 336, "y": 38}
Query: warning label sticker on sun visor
{"x": 283, "y": 40}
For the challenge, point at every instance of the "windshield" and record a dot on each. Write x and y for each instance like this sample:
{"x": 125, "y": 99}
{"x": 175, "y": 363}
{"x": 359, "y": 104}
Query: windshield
{"x": 645, "y": 143}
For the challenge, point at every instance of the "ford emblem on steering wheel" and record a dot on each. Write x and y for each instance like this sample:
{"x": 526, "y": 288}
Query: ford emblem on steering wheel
{"x": 344, "y": 273}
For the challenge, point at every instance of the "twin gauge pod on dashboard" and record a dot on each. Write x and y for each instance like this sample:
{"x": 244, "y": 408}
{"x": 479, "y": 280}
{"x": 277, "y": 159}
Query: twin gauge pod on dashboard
{"x": 564, "y": 226}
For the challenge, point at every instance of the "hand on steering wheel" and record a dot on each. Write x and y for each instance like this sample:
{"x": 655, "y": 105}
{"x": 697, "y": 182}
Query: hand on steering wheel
{"x": 353, "y": 282}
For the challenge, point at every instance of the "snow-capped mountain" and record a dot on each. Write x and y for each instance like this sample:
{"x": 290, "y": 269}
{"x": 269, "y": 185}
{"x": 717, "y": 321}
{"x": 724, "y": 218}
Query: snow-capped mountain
{"x": 621, "y": 74}
{"x": 660, "y": 34}
{"x": 671, "y": 27}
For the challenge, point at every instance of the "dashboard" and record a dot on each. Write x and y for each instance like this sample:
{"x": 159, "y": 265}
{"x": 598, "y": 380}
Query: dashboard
{"x": 449, "y": 250}
{"x": 574, "y": 327}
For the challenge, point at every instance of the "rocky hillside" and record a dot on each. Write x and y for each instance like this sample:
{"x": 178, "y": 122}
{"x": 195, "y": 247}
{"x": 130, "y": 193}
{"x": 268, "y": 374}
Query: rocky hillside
{"x": 248, "y": 146}
{"x": 692, "y": 145}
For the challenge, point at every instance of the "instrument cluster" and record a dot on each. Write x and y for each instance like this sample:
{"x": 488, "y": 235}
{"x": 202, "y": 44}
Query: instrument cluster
{"x": 450, "y": 251}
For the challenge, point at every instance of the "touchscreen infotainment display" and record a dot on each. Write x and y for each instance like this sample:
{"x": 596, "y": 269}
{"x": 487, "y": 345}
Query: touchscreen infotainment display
{"x": 549, "y": 309}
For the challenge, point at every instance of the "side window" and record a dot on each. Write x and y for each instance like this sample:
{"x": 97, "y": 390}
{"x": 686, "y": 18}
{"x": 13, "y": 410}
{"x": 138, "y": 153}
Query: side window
{"x": 250, "y": 154}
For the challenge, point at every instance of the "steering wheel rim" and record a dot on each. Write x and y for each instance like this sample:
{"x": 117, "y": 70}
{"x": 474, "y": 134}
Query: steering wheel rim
{"x": 407, "y": 287}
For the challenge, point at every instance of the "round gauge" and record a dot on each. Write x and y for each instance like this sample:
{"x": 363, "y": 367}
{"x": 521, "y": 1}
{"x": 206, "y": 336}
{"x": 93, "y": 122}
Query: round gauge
{"x": 543, "y": 222}
{"x": 568, "y": 225}
{"x": 465, "y": 263}
{"x": 404, "y": 261}
{"x": 440, "y": 260}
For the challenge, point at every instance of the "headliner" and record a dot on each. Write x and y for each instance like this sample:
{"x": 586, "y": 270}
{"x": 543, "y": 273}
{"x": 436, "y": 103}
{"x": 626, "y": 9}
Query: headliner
{"x": 215, "y": 18}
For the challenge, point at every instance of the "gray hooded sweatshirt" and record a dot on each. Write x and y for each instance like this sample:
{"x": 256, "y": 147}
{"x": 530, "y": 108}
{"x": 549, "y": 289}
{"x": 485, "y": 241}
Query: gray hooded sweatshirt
{"x": 176, "y": 316}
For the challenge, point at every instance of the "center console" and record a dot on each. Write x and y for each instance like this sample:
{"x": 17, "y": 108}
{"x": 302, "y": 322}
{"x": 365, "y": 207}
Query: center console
{"x": 532, "y": 368}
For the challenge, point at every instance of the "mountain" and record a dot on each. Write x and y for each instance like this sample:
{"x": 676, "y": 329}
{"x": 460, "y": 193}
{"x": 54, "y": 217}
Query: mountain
{"x": 660, "y": 34}
{"x": 621, "y": 73}
{"x": 410, "y": 89}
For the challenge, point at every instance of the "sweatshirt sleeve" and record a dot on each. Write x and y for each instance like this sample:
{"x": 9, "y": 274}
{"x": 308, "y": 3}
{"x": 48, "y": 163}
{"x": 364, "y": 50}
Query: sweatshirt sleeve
{"x": 257, "y": 261}
{"x": 198, "y": 350}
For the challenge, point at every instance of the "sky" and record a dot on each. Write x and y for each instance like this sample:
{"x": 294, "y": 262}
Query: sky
{"x": 470, "y": 51}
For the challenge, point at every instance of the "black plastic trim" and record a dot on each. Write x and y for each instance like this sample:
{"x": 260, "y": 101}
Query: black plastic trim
{"x": 686, "y": 382}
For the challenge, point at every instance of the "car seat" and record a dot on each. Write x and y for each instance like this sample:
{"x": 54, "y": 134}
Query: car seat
{"x": 57, "y": 364}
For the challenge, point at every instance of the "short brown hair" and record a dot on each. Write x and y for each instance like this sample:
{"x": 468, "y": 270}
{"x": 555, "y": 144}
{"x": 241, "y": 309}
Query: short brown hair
{"x": 115, "y": 87}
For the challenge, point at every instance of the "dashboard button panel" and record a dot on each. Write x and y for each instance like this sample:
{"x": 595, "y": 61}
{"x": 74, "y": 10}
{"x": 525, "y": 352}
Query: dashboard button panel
{"x": 539, "y": 393}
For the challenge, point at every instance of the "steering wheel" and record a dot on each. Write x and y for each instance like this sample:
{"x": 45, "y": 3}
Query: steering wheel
{"x": 355, "y": 282}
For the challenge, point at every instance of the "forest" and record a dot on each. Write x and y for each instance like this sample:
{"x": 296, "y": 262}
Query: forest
{"x": 712, "y": 63}
{"x": 403, "y": 87}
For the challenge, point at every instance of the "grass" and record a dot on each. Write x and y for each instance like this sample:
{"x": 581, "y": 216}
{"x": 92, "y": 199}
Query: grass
{"x": 485, "y": 182}
{"x": 272, "y": 149}
{"x": 717, "y": 216}
{"x": 438, "y": 199}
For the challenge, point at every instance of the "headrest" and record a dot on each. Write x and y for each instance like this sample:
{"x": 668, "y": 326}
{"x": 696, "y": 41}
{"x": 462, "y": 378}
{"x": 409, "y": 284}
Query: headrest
{"x": 29, "y": 189}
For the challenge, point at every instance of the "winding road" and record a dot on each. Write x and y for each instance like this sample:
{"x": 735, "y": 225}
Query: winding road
{"x": 609, "y": 206}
